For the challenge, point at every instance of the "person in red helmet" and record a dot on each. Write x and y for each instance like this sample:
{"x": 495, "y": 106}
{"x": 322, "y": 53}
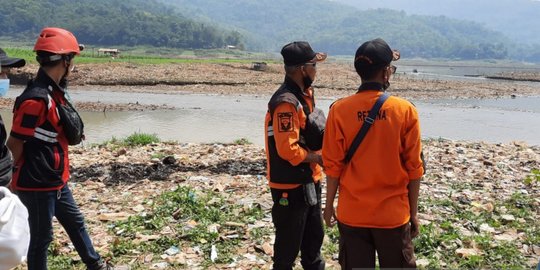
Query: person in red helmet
{"x": 44, "y": 124}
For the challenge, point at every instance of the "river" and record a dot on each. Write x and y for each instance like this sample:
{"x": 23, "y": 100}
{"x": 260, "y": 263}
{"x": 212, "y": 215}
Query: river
{"x": 215, "y": 118}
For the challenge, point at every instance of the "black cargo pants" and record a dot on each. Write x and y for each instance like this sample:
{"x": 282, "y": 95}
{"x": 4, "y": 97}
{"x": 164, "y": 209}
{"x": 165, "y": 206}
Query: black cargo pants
{"x": 298, "y": 228}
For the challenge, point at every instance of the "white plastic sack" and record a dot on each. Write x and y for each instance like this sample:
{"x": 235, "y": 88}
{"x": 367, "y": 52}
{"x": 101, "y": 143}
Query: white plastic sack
{"x": 14, "y": 230}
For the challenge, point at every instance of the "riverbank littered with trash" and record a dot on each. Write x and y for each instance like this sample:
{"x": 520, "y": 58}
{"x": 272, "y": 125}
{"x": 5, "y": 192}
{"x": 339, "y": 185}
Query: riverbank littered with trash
{"x": 207, "y": 206}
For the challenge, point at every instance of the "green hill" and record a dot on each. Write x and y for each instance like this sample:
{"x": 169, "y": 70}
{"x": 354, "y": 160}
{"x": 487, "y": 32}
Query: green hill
{"x": 112, "y": 22}
{"x": 517, "y": 19}
{"x": 262, "y": 25}
{"x": 339, "y": 29}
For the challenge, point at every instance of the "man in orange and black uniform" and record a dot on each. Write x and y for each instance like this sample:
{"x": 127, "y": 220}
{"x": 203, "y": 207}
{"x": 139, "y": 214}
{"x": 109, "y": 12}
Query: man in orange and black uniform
{"x": 378, "y": 187}
{"x": 292, "y": 167}
{"x": 39, "y": 142}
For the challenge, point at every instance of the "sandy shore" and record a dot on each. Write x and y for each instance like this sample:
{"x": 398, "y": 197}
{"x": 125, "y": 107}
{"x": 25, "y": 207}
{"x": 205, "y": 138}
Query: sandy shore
{"x": 334, "y": 80}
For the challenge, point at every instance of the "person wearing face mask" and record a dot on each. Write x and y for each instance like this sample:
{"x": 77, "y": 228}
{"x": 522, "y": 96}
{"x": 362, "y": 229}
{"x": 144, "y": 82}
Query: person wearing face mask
{"x": 6, "y": 161}
{"x": 378, "y": 177}
{"x": 14, "y": 228}
{"x": 293, "y": 128}
{"x": 44, "y": 124}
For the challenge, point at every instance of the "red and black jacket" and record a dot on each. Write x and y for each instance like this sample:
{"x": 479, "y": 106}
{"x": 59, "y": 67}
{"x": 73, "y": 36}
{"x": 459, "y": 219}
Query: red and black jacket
{"x": 44, "y": 163}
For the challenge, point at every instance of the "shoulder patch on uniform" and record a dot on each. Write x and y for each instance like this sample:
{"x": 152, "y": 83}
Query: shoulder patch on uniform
{"x": 285, "y": 120}
{"x": 29, "y": 121}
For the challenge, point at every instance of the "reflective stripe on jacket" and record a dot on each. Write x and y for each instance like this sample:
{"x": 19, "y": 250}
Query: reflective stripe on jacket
{"x": 44, "y": 164}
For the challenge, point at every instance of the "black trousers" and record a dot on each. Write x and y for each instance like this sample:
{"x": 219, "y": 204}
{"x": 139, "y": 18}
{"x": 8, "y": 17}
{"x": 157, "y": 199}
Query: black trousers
{"x": 394, "y": 247}
{"x": 298, "y": 228}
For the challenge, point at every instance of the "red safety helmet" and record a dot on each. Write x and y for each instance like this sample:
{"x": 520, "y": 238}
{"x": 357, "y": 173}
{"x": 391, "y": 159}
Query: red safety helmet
{"x": 57, "y": 41}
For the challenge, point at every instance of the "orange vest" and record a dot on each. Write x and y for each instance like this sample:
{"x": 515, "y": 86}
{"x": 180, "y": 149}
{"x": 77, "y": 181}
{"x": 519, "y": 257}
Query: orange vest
{"x": 284, "y": 152}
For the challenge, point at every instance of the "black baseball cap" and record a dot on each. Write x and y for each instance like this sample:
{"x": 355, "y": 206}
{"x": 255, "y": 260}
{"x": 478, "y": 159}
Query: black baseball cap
{"x": 300, "y": 52}
{"x": 373, "y": 55}
{"x": 10, "y": 62}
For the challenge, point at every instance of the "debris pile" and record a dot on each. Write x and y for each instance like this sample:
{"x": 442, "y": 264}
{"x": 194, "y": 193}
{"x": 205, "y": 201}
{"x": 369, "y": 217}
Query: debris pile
{"x": 146, "y": 206}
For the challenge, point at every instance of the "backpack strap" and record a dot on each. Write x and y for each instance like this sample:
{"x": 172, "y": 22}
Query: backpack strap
{"x": 302, "y": 101}
{"x": 365, "y": 126}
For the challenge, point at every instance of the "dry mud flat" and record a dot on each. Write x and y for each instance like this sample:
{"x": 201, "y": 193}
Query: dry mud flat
{"x": 112, "y": 183}
{"x": 333, "y": 80}
{"x": 518, "y": 76}
{"x": 6, "y": 103}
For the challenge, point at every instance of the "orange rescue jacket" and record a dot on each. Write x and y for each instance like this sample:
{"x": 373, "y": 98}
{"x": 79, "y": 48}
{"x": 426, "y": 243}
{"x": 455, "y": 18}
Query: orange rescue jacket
{"x": 283, "y": 124}
{"x": 373, "y": 185}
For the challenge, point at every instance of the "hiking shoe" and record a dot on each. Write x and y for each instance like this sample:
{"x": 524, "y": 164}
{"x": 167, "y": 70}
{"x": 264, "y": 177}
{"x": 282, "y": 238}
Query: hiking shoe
{"x": 104, "y": 265}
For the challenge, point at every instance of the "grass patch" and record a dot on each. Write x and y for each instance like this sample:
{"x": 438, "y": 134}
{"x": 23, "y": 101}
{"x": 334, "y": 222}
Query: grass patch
{"x": 242, "y": 141}
{"x": 331, "y": 246}
{"x": 520, "y": 205}
{"x": 57, "y": 260}
{"x": 151, "y": 55}
{"x": 159, "y": 155}
{"x": 135, "y": 139}
{"x": 193, "y": 217}
{"x": 138, "y": 139}
{"x": 534, "y": 177}
{"x": 63, "y": 262}
{"x": 438, "y": 241}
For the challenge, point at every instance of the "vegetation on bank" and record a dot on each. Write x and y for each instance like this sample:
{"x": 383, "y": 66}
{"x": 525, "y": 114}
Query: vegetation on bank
{"x": 210, "y": 220}
{"x": 457, "y": 232}
{"x": 151, "y": 56}
{"x": 133, "y": 140}
{"x": 116, "y": 22}
{"x": 339, "y": 29}
{"x": 242, "y": 141}
{"x": 196, "y": 218}
{"x": 257, "y": 26}
{"x": 446, "y": 245}
{"x": 534, "y": 177}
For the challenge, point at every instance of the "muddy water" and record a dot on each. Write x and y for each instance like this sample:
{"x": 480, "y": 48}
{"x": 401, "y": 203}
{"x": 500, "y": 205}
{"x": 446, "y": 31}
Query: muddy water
{"x": 207, "y": 118}
{"x": 487, "y": 120}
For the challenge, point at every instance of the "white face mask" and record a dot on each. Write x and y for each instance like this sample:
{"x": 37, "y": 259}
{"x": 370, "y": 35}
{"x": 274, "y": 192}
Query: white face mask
{"x": 4, "y": 87}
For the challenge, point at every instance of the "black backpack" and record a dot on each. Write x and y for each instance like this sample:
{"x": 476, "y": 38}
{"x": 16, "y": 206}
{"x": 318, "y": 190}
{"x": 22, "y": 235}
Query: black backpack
{"x": 71, "y": 122}
{"x": 315, "y": 125}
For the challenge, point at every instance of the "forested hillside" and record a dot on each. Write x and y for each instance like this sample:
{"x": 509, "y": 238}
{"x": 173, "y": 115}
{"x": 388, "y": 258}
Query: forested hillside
{"x": 517, "y": 19}
{"x": 112, "y": 22}
{"x": 339, "y": 29}
{"x": 262, "y": 25}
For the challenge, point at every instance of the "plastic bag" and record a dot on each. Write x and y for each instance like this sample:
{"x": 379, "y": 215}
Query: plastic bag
{"x": 14, "y": 230}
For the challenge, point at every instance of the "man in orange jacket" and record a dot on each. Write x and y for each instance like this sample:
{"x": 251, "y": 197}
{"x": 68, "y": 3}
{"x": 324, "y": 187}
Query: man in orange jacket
{"x": 379, "y": 186}
{"x": 294, "y": 165}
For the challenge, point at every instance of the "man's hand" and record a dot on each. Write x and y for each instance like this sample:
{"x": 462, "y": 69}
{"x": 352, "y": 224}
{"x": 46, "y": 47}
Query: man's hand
{"x": 314, "y": 157}
{"x": 329, "y": 216}
{"x": 415, "y": 226}
{"x": 329, "y": 213}
{"x": 318, "y": 160}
